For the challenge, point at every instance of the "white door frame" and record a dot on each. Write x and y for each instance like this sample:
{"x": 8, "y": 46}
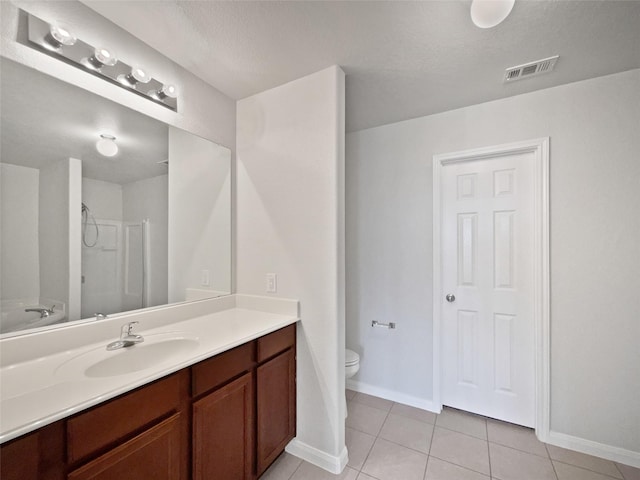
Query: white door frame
{"x": 540, "y": 149}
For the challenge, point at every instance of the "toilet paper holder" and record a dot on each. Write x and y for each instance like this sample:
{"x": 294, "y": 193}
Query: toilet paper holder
{"x": 390, "y": 325}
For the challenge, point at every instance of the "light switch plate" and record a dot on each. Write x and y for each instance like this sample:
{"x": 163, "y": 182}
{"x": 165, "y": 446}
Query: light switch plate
{"x": 272, "y": 283}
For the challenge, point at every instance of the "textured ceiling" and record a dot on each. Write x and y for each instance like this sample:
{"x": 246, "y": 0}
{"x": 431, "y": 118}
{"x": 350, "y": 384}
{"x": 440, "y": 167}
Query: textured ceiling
{"x": 45, "y": 120}
{"x": 403, "y": 59}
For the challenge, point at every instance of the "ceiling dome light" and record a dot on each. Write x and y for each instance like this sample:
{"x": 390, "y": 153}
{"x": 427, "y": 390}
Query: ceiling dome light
{"x": 489, "y": 13}
{"x": 107, "y": 146}
{"x": 101, "y": 57}
{"x": 137, "y": 75}
{"x": 59, "y": 36}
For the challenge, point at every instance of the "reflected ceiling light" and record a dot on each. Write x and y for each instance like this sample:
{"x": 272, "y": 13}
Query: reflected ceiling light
{"x": 164, "y": 92}
{"x": 59, "y": 36}
{"x": 107, "y": 146}
{"x": 101, "y": 57}
{"x": 137, "y": 75}
{"x": 489, "y": 13}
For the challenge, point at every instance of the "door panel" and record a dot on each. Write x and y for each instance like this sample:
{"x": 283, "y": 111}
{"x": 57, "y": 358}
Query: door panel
{"x": 487, "y": 252}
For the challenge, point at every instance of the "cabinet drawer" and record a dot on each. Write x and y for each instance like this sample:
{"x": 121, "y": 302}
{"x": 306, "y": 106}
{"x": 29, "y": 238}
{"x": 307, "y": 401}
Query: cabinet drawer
{"x": 276, "y": 342}
{"x": 215, "y": 371}
{"x": 102, "y": 426}
{"x": 153, "y": 454}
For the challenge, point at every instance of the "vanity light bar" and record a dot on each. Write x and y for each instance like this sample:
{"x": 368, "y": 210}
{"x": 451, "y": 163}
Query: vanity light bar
{"x": 101, "y": 62}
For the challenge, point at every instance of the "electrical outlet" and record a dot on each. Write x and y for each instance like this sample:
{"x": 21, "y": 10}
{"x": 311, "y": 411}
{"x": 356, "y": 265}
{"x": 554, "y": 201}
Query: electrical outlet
{"x": 204, "y": 279}
{"x": 272, "y": 283}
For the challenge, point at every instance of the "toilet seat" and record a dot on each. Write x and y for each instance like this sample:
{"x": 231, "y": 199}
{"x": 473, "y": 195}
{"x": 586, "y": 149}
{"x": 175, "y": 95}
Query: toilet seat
{"x": 351, "y": 358}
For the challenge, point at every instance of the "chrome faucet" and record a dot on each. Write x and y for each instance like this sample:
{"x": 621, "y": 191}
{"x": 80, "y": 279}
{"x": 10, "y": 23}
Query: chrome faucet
{"x": 44, "y": 312}
{"x": 127, "y": 338}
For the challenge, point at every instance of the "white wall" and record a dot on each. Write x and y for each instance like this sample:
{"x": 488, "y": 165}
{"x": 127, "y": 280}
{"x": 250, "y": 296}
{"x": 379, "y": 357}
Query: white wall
{"x": 19, "y": 265}
{"x": 104, "y": 199}
{"x": 594, "y": 127}
{"x": 149, "y": 199}
{"x": 290, "y": 213}
{"x": 59, "y": 239}
{"x": 199, "y": 214}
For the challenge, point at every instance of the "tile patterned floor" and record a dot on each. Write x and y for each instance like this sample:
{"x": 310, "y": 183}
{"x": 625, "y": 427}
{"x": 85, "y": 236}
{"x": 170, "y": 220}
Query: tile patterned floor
{"x": 390, "y": 441}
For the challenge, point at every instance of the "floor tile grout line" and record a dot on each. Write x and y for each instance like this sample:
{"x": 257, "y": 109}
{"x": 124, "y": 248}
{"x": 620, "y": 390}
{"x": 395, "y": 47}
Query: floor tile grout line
{"x": 405, "y": 446}
{"x": 374, "y": 443}
{"x": 362, "y": 403}
{"x": 621, "y": 472}
{"x": 458, "y": 465}
{"x": 583, "y": 467}
{"x": 523, "y": 451}
{"x": 461, "y": 466}
{"x": 410, "y": 417}
{"x": 587, "y": 469}
{"x": 622, "y": 477}
{"x": 426, "y": 467}
{"x": 297, "y": 468}
{"x": 553, "y": 466}
{"x": 395, "y": 413}
{"x": 462, "y": 433}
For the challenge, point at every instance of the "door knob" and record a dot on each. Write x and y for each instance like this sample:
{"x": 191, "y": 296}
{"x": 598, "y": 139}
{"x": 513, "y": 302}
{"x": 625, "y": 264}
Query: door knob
{"x": 450, "y": 297}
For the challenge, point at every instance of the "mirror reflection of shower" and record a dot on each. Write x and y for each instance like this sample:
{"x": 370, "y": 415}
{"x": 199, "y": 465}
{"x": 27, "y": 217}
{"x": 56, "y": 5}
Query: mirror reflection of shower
{"x": 115, "y": 252}
{"x": 86, "y": 213}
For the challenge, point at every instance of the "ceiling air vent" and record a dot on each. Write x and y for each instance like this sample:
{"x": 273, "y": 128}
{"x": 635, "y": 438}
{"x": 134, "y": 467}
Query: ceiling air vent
{"x": 530, "y": 69}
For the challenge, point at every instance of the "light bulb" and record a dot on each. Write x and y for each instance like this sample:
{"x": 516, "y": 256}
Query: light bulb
{"x": 489, "y": 13}
{"x": 107, "y": 146}
{"x": 105, "y": 57}
{"x": 137, "y": 75}
{"x": 164, "y": 92}
{"x": 59, "y": 36}
{"x": 101, "y": 57}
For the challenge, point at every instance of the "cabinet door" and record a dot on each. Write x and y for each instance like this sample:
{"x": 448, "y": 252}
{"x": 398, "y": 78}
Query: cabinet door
{"x": 223, "y": 432}
{"x": 276, "y": 386}
{"x": 154, "y": 454}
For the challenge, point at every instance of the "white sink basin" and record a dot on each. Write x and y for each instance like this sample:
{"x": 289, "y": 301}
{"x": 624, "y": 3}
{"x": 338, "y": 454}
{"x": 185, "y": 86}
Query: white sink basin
{"x": 155, "y": 351}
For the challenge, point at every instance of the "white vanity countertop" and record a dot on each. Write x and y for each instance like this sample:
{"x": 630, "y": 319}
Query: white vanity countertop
{"x": 38, "y": 391}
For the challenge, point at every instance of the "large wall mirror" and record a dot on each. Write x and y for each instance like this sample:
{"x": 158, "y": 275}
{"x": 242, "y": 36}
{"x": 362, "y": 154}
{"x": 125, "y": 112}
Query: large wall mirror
{"x": 84, "y": 235}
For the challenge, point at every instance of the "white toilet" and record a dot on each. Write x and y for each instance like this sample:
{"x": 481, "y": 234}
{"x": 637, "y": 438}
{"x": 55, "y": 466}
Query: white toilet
{"x": 351, "y": 367}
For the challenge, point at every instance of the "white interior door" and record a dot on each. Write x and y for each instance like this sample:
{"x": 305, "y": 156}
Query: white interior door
{"x": 487, "y": 247}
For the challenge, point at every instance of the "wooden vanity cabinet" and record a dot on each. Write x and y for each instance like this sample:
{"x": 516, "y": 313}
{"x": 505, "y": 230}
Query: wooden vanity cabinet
{"x": 227, "y": 418}
{"x": 223, "y": 424}
{"x": 224, "y": 415}
{"x": 276, "y": 407}
{"x": 142, "y": 434}
{"x": 37, "y": 455}
{"x": 153, "y": 454}
{"x": 276, "y": 395}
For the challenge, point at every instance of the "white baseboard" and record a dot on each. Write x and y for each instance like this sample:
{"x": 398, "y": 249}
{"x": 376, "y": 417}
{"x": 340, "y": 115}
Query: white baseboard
{"x": 317, "y": 457}
{"x": 394, "y": 396}
{"x": 616, "y": 454}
